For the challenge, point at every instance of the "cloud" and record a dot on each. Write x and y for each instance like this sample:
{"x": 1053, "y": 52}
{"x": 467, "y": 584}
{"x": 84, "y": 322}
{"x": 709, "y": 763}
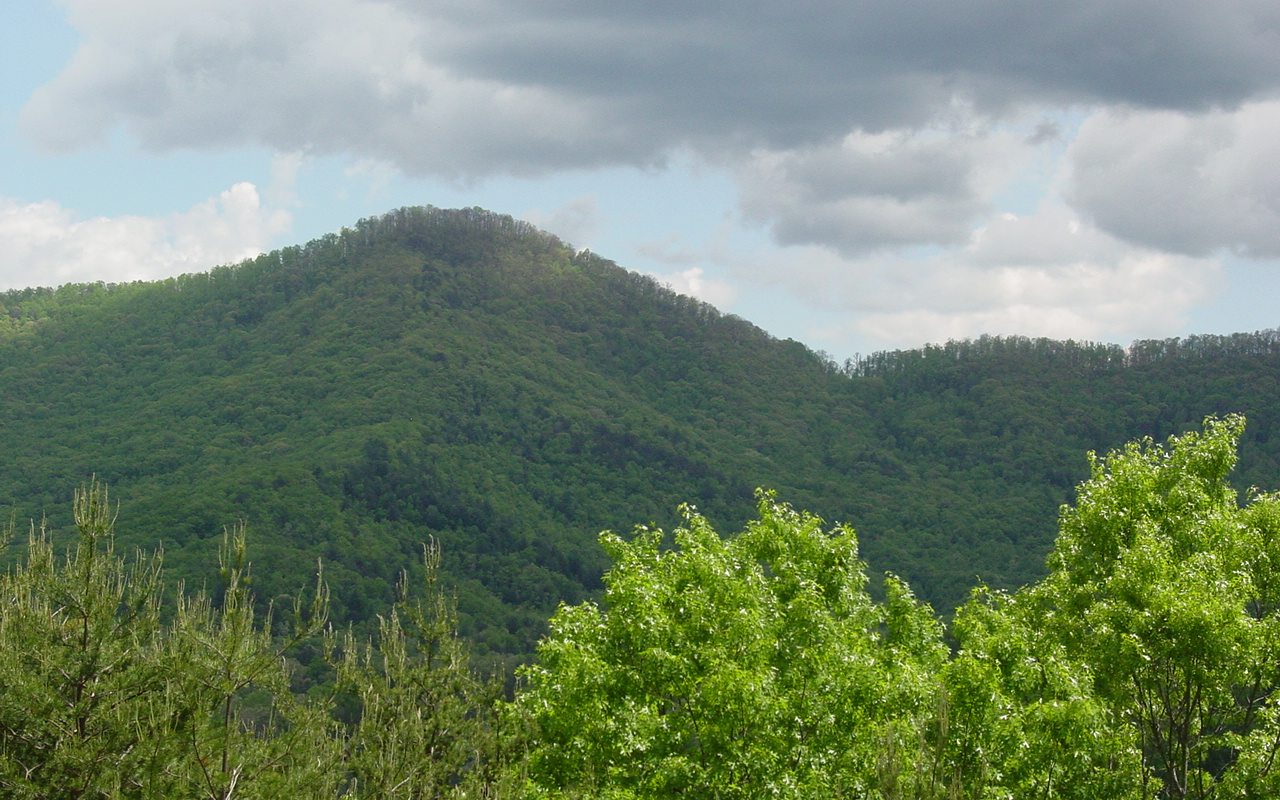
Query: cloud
{"x": 1193, "y": 184}
{"x": 375, "y": 174}
{"x": 687, "y": 262}
{"x": 368, "y": 79}
{"x": 1048, "y": 274}
{"x": 49, "y": 241}
{"x": 774, "y": 74}
{"x": 504, "y": 87}
{"x": 872, "y": 191}
{"x": 282, "y": 190}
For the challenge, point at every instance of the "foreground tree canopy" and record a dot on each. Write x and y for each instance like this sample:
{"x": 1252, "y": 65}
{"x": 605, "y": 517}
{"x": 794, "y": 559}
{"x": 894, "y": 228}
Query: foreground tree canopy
{"x": 761, "y": 667}
{"x": 748, "y": 667}
{"x": 112, "y": 688}
{"x": 1144, "y": 665}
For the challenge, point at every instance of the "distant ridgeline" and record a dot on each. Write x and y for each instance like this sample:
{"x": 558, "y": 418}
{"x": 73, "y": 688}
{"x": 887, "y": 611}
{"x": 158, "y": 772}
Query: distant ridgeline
{"x": 1089, "y": 355}
{"x": 462, "y": 376}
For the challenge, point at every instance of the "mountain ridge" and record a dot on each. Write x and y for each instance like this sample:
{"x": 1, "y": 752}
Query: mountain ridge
{"x": 462, "y": 376}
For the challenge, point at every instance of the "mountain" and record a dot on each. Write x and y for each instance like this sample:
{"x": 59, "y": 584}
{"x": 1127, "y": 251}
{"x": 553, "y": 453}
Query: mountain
{"x": 463, "y": 376}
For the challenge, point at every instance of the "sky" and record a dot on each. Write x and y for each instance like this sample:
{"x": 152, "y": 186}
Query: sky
{"x": 856, "y": 175}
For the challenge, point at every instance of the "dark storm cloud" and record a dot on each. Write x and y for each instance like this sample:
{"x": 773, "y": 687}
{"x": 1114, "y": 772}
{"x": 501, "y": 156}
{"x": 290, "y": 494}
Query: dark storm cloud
{"x": 780, "y": 74}
{"x": 525, "y": 86}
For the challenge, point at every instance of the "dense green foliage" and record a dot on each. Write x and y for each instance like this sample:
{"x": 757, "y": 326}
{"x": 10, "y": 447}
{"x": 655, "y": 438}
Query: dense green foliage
{"x": 1144, "y": 665}
{"x": 756, "y": 666}
{"x": 1166, "y": 588}
{"x": 460, "y": 376}
{"x": 759, "y": 666}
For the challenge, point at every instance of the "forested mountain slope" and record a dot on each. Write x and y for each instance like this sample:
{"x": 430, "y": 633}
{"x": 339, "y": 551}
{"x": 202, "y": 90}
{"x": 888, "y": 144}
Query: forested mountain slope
{"x": 460, "y": 375}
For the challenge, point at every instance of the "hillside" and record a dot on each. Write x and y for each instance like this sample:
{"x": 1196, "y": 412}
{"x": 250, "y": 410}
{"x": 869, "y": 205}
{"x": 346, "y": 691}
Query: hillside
{"x": 463, "y": 376}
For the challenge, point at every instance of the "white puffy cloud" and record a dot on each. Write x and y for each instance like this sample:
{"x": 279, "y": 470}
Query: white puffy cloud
{"x": 1139, "y": 296}
{"x": 48, "y": 245}
{"x": 1047, "y": 274}
{"x": 1193, "y": 184}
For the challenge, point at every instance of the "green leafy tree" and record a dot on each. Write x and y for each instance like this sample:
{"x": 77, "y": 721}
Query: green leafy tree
{"x": 1164, "y": 586}
{"x": 756, "y": 666}
{"x": 1019, "y": 716}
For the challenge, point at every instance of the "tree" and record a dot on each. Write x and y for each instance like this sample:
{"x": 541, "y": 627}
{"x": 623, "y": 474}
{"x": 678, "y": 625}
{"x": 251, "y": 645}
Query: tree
{"x": 1019, "y": 716}
{"x": 426, "y": 727}
{"x": 106, "y": 691}
{"x": 1166, "y": 588}
{"x": 79, "y": 654}
{"x": 756, "y": 666}
{"x": 99, "y": 697}
{"x": 243, "y": 732}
